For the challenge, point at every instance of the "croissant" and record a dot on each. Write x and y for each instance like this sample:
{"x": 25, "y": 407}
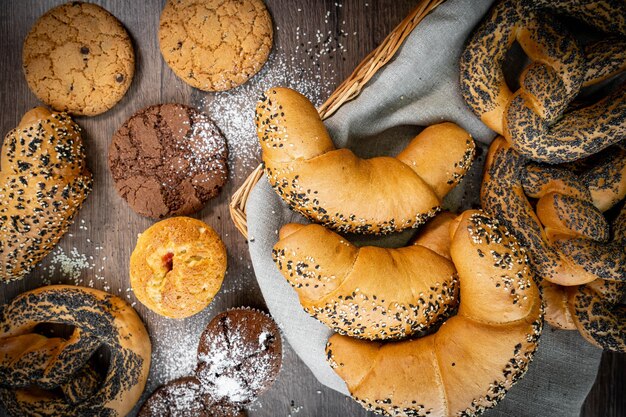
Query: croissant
{"x": 470, "y": 363}
{"x": 344, "y": 192}
{"x": 43, "y": 183}
{"x": 370, "y": 292}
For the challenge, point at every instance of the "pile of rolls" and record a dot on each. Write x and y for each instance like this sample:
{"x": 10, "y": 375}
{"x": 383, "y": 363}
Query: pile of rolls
{"x": 556, "y": 176}
{"x": 465, "y": 300}
{"x": 414, "y": 321}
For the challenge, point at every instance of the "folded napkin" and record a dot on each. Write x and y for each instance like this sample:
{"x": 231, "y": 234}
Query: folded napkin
{"x": 419, "y": 87}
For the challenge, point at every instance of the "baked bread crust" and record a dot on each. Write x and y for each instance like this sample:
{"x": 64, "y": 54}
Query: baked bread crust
{"x": 569, "y": 241}
{"x": 536, "y": 118}
{"x": 336, "y": 188}
{"x": 177, "y": 267}
{"x": 566, "y": 234}
{"x": 370, "y": 292}
{"x": 43, "y": 183}
{"x": 33, "y": 366}
{"x": 490, "y": 341}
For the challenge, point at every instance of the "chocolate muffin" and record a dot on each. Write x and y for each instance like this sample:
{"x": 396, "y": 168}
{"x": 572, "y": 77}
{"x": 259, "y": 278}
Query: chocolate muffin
{"x": 183, "y": 398}
{"x": 239, "y": 356}
{"x": 168, "y": 159}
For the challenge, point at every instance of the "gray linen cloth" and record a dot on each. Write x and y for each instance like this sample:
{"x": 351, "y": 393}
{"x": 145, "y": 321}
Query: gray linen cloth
{"x": 419, "y": 87}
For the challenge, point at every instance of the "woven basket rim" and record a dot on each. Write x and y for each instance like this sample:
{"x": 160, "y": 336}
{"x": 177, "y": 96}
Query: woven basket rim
{"x": 348, "y": 90}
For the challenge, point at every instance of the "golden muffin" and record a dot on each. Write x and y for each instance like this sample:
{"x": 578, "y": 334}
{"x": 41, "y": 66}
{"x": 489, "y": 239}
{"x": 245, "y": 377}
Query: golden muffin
{"x": 177, "y": 266}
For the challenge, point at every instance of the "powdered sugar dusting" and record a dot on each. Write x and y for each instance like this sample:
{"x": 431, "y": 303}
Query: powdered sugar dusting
{"x": 308, "y": 69}
{"x": 239, "y": 358}
{"x": 263, "y": 337}
{"x": 175, "y": 353}
{"x": 73, "y": 267}
{"x": 229, "y": 388}
{"x": 203, "y": 152}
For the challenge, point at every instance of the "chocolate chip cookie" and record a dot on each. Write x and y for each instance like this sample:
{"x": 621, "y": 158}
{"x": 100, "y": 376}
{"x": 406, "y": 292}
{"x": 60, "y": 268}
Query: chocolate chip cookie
{"x": 78, "y": 58}
{"x": 167, "y": 160}
{"x": 215, "y": 45}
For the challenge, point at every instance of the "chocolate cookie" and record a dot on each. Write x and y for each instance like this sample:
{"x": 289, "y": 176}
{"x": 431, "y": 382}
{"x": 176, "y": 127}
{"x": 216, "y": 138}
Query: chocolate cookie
{"x": 183, "y": 398}
{"x": 215, "y": 45}
{"x": 168, "y": 159}
{"x": 78, "y": 58}
{"x": 239, "y": 356}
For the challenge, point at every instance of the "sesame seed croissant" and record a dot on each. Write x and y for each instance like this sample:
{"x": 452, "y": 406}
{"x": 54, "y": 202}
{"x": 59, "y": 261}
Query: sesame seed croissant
{"x": 344, "y": 192}
{"x": 370, "y": 292}
{"x": 470, "y": 363}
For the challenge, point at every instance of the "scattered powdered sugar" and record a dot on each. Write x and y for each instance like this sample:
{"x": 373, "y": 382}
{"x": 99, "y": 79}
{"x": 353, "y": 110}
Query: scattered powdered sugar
{"x": 233, "y": 111}
{"x": 230, "y": 388}
{"x": 175, "y": 349}
{"x": 208, "y": 142}
{"x": 178, "y": 398}
{"x": 175, "y": 355}
{"x": 263, "y": 337}
{"x": 73, "y": 266}
{"x": 184, "y": 398}
{"x": 203, "y": 152}
{"x": 233, "y": 360}
{"x": 237, "y": 360}
{"x": 308, "y": 69}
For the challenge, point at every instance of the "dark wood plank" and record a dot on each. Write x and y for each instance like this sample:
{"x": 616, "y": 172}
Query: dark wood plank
{"x": 108, "y": 222}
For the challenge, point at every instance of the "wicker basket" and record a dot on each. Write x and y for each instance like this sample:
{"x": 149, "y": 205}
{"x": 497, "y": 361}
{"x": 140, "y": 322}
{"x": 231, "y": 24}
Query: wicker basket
{"x": 347, "y": 91}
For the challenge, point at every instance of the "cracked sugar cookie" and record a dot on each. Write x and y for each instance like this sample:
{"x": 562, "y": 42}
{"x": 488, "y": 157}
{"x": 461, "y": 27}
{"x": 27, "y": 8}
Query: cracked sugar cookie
{"x": 177, "y": 267}
{"x": 168, "y": 160}
{"x": 78, "y": 58}
{"x": 215, "y": 45}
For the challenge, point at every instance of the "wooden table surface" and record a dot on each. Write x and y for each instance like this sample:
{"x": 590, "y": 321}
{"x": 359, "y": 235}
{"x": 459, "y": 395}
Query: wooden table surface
{"x": 105, "y": 231}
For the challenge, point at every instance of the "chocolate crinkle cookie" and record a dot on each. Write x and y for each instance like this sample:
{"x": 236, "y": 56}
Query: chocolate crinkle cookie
{"x": 239, "y": 356}
{"x": 183, "y": 397}
{"x": 167, "y": 160}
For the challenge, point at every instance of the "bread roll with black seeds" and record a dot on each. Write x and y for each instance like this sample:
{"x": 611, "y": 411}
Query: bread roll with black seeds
{"x": 534, "y": 118}
{"x": 482, "y": 80}
{"x": 490, "y": 342}
{"x": 594, "y": 309}
{"x": 606, "y": 181}
{"x": 344, "y": 192}
{"x": 605, "y": 59}
{"x": 43, "y": 183}
{"x": 599, "y": 315}
{"x": 566, "y": 227}
{"x": 52, "y": 376}
{"x": 370, "y": 292}
{"x": 568, "y": 238}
